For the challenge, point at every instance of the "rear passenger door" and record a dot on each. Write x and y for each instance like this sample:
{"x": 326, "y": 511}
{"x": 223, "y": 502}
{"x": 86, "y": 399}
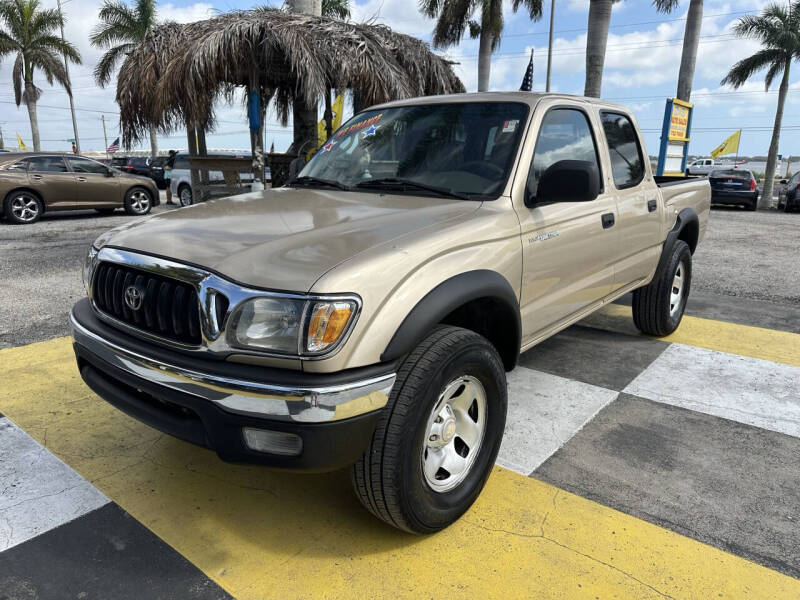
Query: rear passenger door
{"x": 53, "y": 181}
{"x": 95, "y": 188}
{"x": 568, "y": 248}
{"x": 639, "y": 210}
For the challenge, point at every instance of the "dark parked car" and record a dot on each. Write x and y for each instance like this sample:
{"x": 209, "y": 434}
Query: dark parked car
{"x": 734, "y": 186}
{"x": 789, "y": 200}
{"x": 135, "y": 165}
{"x": 34, "y": 183}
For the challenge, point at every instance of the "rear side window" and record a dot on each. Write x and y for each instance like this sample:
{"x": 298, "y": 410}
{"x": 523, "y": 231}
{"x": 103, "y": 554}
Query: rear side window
{"x": 84, "y": 165}
{"x": 565, "y": 134}
{"x": 627, "y": 166}
{"x": 181, "y": 162}
{"x": 47, "y": 164}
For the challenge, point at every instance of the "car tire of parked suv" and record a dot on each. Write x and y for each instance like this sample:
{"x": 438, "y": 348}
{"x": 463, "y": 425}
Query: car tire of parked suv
{"x": 185, "y": 195}
{"x": 138, "y": 201}
{"x": 22, "y": 207}
{"x": 753, "y": 204}
{"x": 447, "y": 408}
{"x": 658, "y": 307}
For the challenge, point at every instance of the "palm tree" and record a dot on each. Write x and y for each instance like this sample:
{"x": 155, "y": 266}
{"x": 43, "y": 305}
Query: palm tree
{"x": 455, "y": 16}
{"x": 30, "y": 33}
{"x": 597, "y": 37}
{"x": 778, "y": 30}
{"x": 121, "y": 29}
{"x": 337, "y": 9}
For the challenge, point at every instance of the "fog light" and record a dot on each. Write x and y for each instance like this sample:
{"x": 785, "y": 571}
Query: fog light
{"x": 274, "y": 442}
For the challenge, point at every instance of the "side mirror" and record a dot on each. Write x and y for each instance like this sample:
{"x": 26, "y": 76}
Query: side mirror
{"x": 567, "y": 181}
{"x": 109, "y": 172}
{"x": 783, "y": 182}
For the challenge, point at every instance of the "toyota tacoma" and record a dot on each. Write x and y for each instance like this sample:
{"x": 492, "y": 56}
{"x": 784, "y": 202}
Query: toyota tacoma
{"x": 365, "y": 314}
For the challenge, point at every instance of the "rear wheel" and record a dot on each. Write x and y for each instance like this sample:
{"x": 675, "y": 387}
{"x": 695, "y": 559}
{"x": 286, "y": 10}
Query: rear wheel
{"x": 185, "y": 195}
{"x": 658, "y": 307}
{"x": 138, "y": 201}
{"x": 438, "y": 437}
{"x": 23, "y": 207}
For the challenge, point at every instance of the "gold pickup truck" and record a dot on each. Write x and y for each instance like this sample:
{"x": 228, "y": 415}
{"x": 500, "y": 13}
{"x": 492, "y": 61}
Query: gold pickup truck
{"x": 365, "y": 315}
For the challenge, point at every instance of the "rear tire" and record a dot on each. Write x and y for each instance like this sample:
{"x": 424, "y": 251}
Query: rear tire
{"x": 437, "y": 439}
{"x": 753, "y": 204}
{"x": 138, "y": 201}
{"x": 658, "y": 307}
{"x": 22, "y": 207}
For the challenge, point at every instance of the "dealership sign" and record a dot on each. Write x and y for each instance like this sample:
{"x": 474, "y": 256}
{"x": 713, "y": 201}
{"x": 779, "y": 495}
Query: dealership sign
{"x": 674, "y": 148}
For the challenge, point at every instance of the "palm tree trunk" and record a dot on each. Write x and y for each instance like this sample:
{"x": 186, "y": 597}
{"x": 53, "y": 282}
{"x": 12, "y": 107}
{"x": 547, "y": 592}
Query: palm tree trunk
{"x": 765, "y": 201}
{"x": 484, "y": 59}
{"x": 153, "y": 141}
{"x": 304, "y": 110}
{"x": 30, "y": 94}
{"x": 691, "y": 38}
{"x": 597, "y": 37}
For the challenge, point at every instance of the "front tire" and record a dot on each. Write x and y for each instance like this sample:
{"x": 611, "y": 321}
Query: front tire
{"x": 138, "y": 201}
{"x": 658, "y": 307}
{"x": 437, "y": 439}
{"x": 23, "y": 207}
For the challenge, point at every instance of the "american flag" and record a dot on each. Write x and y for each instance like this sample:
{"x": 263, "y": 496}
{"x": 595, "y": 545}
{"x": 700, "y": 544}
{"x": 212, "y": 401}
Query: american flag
{"x": 113, "y": 147}
{"x": 527, "y": 81}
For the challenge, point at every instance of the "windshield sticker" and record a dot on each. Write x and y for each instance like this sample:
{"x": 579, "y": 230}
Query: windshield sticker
{"x": 371, "y": 131}
{"x": 327, "y": 147}
{"x": 510, "y": 126}
{"x": 360, "y": 125}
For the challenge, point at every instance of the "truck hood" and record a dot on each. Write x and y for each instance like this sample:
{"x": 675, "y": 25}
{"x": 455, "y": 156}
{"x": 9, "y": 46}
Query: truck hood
{"x": 285, "y": 238}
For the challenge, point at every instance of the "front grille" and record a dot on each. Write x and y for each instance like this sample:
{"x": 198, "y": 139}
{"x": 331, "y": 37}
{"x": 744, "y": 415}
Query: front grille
{"x": 169, "y": 308}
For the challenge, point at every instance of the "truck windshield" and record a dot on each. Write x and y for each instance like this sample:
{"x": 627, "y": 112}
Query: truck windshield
{"x": 459, "y": 150}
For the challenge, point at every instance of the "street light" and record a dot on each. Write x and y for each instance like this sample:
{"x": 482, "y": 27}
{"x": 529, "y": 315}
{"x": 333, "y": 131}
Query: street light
{"x": 69, "y": 81}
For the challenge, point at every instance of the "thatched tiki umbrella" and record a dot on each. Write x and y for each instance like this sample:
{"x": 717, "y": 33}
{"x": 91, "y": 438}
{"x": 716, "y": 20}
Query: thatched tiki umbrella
{"x": 177, "y": 74}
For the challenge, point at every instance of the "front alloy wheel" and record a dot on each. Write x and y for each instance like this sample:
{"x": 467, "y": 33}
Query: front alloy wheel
{"x": 138, "y": 202}
{"x": 437, "y": 438}
{"x": 23, "y": 208}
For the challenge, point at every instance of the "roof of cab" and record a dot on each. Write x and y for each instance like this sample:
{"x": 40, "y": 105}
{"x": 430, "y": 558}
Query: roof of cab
{"x": 530, "y": 98}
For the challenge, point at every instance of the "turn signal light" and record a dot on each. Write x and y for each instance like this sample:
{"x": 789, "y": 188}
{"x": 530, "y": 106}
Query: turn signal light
{"x": 327, "y": 324}
{"x": 752, "y": 185}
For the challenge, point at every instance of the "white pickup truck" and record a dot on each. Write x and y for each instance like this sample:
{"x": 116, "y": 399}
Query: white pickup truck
{"x": 365, "y": 315}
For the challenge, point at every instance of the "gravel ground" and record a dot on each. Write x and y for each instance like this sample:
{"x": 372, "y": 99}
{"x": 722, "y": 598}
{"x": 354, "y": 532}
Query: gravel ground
{"x": 750, "y": 254}
{"x": 744, "y": 254}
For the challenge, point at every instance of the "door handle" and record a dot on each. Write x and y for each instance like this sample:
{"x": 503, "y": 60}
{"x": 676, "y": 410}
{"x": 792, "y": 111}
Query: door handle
{"x": 36, "y": 177}
{"x": 608, "y": 220}
{"x": 81, "y": 178}
{"x": 652, "y": 205}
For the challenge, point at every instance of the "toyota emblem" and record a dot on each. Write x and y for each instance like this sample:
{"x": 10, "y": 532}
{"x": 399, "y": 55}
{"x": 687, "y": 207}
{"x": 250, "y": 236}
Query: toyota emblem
{"x": 133, "y": 297}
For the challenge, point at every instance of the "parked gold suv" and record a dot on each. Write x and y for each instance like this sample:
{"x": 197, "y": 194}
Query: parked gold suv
{"x": 34, "y": 183}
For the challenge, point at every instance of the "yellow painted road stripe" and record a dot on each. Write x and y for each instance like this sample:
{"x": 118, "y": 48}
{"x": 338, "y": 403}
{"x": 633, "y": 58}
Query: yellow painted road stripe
{"x": 733, "y": 338}
{"x": 263, "y": 534}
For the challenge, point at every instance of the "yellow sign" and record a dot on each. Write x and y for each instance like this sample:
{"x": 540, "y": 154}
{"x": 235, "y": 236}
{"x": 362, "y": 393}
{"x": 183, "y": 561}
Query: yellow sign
{"x": 729, "y": 146}
{"x": 336, "y": 121}
{"x": 20, "y": 143}
{"x": 679, "y": 121}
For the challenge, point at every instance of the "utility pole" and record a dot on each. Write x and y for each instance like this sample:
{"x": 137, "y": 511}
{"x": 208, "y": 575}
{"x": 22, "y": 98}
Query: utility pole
{"x": 2, "y": 143}
{"x": 550, "y": 44}
{"x": 66, "y": 70}
{"x": 105, "y": 137}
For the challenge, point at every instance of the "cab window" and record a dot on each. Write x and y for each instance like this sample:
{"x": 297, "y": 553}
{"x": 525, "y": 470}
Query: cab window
{"x": 565, "y": 134}
{"x": 627, "y": 166}
{"x": 84, "y": 165}
{"x": 47, "y": 164}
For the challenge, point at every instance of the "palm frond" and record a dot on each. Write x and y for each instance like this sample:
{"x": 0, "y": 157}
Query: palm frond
{"x": 534, "y": 8}
{"x": 16, "y": 77}
{"x": 747, "y": 67}
{"x": 108, "y": 62}
{"x": 666, "y": 6}
{"x": 453, "y": 20}
{"x": 775, "y": 69}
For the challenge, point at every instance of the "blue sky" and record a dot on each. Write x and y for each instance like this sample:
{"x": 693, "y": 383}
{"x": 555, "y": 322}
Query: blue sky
{"x": 641, "y": 70}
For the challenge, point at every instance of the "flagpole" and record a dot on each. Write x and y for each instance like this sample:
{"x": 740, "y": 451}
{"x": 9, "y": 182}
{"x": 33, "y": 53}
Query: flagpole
{"x": 550, "y": 43}
{"x": 105, "y": 137}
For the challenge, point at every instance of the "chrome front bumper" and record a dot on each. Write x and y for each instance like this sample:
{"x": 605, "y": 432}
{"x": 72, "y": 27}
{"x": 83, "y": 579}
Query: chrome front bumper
{"x": 254, "y": 399}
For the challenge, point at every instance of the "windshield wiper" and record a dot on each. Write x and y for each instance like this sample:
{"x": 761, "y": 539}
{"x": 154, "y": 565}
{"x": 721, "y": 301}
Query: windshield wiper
{"x": 307, "y": 179}
{"x": 395, "y": 183}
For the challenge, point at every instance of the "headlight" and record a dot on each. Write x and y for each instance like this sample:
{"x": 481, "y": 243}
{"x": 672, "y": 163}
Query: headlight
{"x": 291, "y": 326}
{"x": 88, "y": 267}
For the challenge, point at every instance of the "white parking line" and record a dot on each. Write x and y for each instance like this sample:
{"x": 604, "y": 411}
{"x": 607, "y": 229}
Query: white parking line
{"x": 37, "y": 491}
{"x": 544, "y": 412}
{"x": 748, "y": 390}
